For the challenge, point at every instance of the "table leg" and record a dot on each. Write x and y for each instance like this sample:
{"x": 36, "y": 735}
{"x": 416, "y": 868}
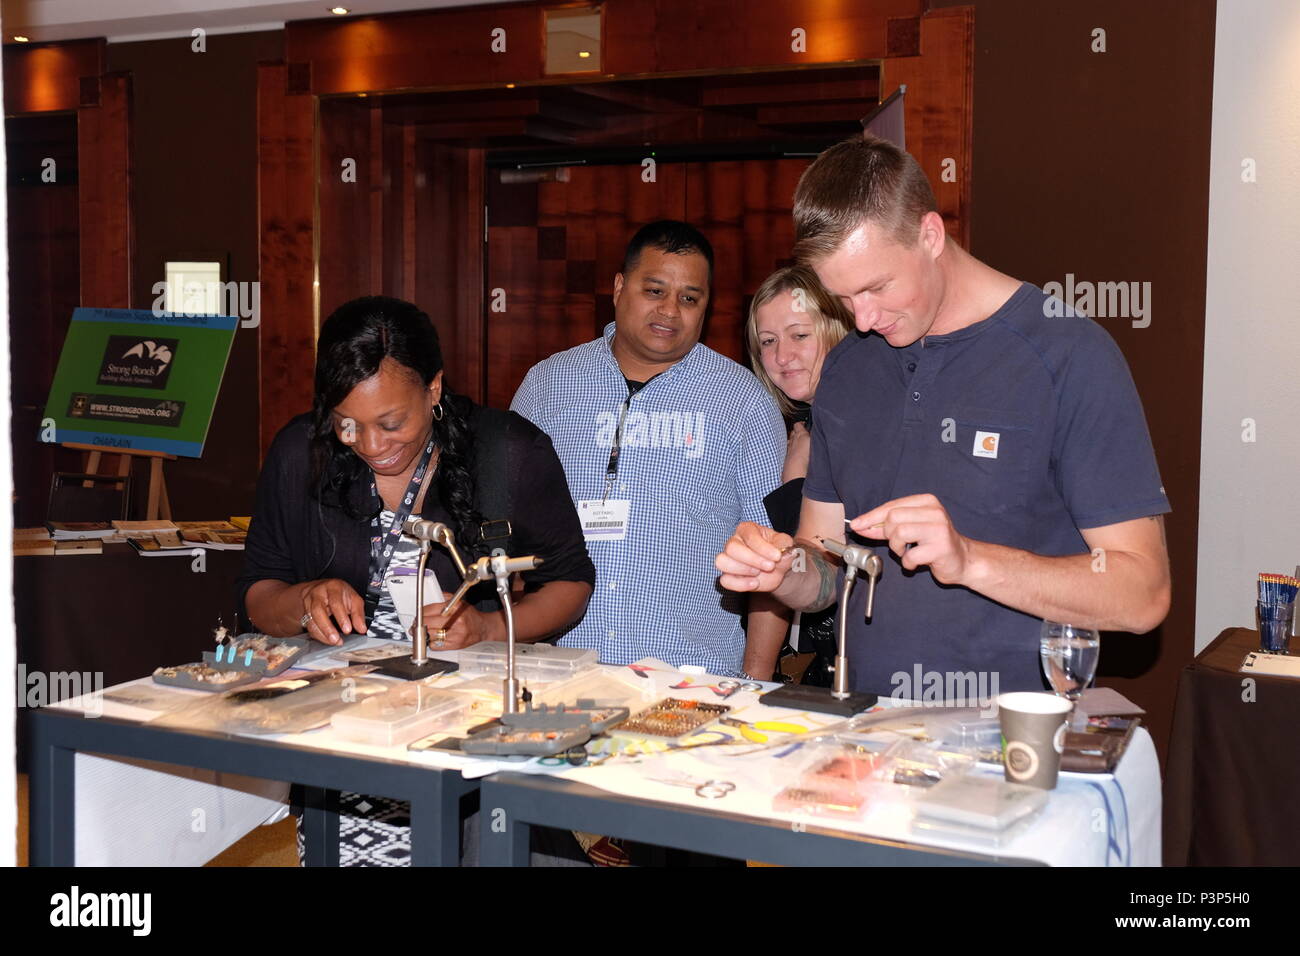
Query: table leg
{"x": 320, "y": 826}
{"x": 505, "y": 838}
{"x": 435, "y": 825}
{"x": 51, "y": 799}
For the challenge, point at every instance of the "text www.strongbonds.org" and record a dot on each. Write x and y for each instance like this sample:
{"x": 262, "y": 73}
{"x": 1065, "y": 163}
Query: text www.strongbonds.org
{"x": 1203, "y": 923}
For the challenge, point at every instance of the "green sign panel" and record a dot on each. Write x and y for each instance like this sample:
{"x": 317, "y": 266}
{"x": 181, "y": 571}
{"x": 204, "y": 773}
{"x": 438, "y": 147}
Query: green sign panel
{"x": 132, "y": 379}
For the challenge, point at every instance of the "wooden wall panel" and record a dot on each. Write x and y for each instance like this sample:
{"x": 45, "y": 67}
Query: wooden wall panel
{"x": 470, "y": 251}
{"x": 513, "y": 267}
{"x": 628, "y": 36}
{"x": 43, "y": 290}
{"x": 351, "y": 234}
{"x": 437, "y": 49}
{"x": 410, "y": 226}
{"x": 734, "y": 34}
{"x": 452, "y": 48}
{"x": 745, "y": 210}
{"x": 44, "y": 77}
{"x": 447, "y": 256}
{"x": 286, "y": 197}
{"x": 558, "y": 266}
{"x": 557, "y": 258}
{"x": 104, "y": 161}
{"x": 398, "y": 203}
{"x": 938, "y": 109}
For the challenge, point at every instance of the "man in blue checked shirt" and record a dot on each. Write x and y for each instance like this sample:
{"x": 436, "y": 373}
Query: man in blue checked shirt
{"x": 666, "y": 445}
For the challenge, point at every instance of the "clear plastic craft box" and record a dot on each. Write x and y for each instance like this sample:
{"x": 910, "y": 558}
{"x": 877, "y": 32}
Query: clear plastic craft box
{"x": 600, "y": 685}
{"x": 543, "y": 663}
{"x": 405, "y": 713}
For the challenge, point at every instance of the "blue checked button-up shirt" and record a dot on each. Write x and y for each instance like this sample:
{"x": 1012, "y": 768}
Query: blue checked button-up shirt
{"x": 702, "y": 444}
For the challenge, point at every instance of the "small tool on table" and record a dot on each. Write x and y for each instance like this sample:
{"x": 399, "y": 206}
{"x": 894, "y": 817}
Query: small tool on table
{"x": 839, "y": 700}
{"x": 750, "y": 731}
{"x": 708, "y": 789}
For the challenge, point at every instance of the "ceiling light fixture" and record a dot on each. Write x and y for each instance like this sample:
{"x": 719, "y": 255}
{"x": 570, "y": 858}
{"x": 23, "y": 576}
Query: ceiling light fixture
{"x": 22, "y": 39}
{"x": 340, "y": 11}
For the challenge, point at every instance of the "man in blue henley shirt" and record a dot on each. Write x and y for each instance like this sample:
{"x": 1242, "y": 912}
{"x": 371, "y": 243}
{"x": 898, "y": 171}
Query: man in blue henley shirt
{"x": 999, "y": 449}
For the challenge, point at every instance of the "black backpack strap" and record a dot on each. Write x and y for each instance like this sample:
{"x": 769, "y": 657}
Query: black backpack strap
{"x": 492, "y": 471}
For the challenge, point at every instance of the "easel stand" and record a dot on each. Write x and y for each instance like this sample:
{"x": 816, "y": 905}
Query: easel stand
{"x": 158, "y": 504}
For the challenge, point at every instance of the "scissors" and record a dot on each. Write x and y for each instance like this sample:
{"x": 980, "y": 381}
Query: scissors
{"x": 574, "y": 757}
{"x": 709, "y": 789}
{"x": 750, "y": 731}
{"x": 731, "y": 686}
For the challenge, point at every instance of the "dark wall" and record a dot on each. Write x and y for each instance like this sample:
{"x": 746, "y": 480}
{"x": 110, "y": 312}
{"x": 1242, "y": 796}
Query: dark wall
{"x": 44, "y": 283}
{"x": 1097, "y": 164}
{"x": 195, "y": 196}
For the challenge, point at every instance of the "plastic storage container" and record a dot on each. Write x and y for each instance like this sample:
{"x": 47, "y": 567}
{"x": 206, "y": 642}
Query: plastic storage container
{"x": 533, "y": 662}
{"x": 602, "y": 686}
{"x": 983, "y": 810}
{"x": 405, "y": 713}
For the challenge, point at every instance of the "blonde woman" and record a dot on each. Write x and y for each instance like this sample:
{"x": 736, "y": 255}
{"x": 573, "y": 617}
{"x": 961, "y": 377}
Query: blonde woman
{"x": 793, "y": 323}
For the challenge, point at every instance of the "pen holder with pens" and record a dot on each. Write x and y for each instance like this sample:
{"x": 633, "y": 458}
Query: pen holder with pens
{"x": 1275, "y": 612}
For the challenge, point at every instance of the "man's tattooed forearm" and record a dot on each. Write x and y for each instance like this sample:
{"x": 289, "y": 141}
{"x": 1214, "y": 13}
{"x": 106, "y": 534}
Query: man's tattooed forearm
{"x": 826, "y": 583}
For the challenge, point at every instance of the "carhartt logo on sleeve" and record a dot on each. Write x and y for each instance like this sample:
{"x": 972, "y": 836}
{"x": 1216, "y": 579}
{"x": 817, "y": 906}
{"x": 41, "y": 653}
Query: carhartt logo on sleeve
{"x": 986, "y": 444}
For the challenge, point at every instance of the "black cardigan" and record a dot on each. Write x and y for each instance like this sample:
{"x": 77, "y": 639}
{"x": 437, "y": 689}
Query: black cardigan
{"x": 294, "y": 538}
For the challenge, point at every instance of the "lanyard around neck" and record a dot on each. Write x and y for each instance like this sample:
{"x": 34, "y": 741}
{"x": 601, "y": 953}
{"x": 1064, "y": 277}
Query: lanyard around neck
{"x": 611, "y": 469}
{"x": 382, "y": 544}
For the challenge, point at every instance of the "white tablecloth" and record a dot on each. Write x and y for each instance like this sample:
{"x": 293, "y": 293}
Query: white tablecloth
{"x": 131, "y": 813}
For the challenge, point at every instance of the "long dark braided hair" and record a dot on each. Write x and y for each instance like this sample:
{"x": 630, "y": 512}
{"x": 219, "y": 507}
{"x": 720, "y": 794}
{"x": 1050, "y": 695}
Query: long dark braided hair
{"x": 353, "y": 342}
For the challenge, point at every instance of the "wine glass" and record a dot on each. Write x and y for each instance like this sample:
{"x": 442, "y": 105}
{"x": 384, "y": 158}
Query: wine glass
{"x": 1069, "y": 656}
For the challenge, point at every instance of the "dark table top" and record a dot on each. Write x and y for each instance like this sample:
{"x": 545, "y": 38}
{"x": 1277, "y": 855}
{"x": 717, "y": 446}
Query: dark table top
{"x": 1226, "y": 652}
{"x": 119, "y": 613}
{"x": 1234, "y": 762}
{"x": 115, "y": 616}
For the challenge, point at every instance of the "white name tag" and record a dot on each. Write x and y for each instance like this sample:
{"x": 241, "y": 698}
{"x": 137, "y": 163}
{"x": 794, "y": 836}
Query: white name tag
{"x": 604, "y": 520}
{"x": 986, "y": 444}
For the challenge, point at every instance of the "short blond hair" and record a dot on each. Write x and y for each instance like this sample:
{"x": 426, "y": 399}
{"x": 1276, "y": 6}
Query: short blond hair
{"x": 831, "y": 321}
{"x": 863, "y": 179}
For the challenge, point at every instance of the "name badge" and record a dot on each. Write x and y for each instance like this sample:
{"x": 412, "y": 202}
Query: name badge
{"x": 604, "y": 520}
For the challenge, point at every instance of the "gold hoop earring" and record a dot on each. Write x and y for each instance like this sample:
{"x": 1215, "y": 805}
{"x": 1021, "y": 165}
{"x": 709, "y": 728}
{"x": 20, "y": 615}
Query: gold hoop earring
{"x": 437, "y": 412}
